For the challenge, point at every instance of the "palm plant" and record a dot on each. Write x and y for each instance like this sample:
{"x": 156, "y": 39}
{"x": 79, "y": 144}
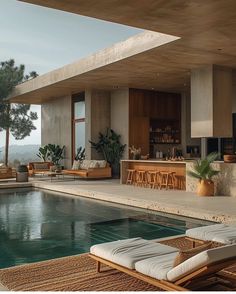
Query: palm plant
{"x": 202, "y": 168}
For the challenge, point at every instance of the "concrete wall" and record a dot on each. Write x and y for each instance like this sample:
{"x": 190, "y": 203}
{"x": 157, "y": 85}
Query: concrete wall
{"x": 97, "y": 118}
{"x": 186, "y": 122}
{"x": 211, "y": 99}
{"x": 56, "y": 125}
{"x": 120, "y": 116}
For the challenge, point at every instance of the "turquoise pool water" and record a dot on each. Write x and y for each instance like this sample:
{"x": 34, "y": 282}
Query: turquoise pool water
{"x": 39, "y": 225}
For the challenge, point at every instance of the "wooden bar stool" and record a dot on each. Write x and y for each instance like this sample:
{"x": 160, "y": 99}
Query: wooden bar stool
{"x": 180, "y": 182}
{"x": 167, "y": 180}
{"x": 130, "y": 177}
{"x": 163, "y": 179}
{"x": 153, "y": 179}
{"x": 141, "y": 178}
{"x": 171, "y": 180}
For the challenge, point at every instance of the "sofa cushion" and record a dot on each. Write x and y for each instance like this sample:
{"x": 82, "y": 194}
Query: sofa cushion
{"x": 76, "y": 165}
{"x": 41, "y": 166}
{"x": 102, "y": 163}
{"x": 85, "y": 164}
{"x": 127, "y": 252}
{"x": 221, "y": 233}
{"x": 204, "y": 258}
{"x": 94, "y": 164}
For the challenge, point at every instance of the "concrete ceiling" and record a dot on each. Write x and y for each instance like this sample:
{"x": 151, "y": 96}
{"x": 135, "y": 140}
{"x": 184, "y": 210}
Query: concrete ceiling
{"x": 207, "y": 30}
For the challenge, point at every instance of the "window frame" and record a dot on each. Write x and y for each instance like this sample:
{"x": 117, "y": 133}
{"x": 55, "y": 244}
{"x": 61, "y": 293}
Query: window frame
{"x": 75, "y": 98}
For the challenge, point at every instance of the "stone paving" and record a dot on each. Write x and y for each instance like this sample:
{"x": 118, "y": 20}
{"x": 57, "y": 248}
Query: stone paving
{"x": 218, "y": 208}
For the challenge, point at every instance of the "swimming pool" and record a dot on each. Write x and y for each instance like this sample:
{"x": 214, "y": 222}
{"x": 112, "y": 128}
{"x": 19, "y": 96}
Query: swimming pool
{"x": 38, "y": 225}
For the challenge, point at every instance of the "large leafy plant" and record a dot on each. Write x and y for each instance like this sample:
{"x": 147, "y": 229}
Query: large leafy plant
{"x": 202, "y": 168}
{"x": 110, "y": 147}
{"x": 56, "y": 153}
{"x": 43, "y": 153}
{"x": 80, "y": 155}
{"x": 51, "y": 152}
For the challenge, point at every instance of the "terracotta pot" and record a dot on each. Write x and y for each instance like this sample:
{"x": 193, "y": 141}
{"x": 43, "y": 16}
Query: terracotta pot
{"x": 205, "y": 188}
{"x": 230, "y": 158}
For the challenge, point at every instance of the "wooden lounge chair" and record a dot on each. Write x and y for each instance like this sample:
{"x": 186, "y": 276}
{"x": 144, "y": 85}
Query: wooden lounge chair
{"x": 159, "y": 270}
{"x": 218, "y": 233}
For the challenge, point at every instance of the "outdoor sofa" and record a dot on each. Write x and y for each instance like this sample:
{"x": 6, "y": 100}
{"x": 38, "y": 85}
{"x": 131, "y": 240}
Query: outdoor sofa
{"x": 90, "y": 169}
{"x": 7, "y": 173}
{"x": 39, "y": 167}
{"x": 153, "y": 262}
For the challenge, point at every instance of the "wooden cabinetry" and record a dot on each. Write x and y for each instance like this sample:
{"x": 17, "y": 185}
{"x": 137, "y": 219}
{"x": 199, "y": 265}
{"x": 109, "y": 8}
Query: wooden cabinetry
{"x": 151, "y": 111}
{"x": 139, "y": 133}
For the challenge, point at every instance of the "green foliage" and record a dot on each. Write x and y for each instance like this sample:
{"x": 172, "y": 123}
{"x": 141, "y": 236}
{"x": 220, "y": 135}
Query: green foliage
{"x": 202, "y": 169}
{"x": 56, "y": 153}
{"x": 80, "y": 155}
{"x": 110, "y": 147}
{"x": 16, "y": 117}
{"x": 43, "y": 153}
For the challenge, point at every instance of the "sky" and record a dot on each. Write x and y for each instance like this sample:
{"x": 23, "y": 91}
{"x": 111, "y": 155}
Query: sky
{"x": 44, "y": 39}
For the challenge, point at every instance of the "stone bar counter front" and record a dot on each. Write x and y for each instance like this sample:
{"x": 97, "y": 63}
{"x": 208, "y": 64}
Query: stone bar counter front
{"x": 178, "y": 167}
{"x": 225, "y": 181}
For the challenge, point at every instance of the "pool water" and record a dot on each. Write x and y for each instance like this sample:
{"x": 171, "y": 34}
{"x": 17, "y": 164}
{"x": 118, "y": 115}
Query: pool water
{"x": 39, "y": 225}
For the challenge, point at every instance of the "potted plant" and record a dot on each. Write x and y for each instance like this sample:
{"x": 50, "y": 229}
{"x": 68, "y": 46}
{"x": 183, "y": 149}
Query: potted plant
{"x": 110, "y": 147}
{"x": 43, "y": 153}
{"x": 56, "y": 154}
{"x": 204, "y": 172}
{"x": 135, "y": 152}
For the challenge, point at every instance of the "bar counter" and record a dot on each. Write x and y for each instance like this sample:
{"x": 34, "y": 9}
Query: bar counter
{"x": 178, "y": 167}
{"x": 225, "y": 183}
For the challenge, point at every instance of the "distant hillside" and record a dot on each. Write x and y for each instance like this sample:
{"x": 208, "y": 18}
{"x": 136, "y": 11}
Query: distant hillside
{"x": 21, "y": 153}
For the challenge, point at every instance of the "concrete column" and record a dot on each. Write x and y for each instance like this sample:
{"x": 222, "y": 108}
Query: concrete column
{"x": 120, "y": 116}
{"x": 211, "y": 102}
{"x": 97, "y": 118}
{"x": 56, "y": 125}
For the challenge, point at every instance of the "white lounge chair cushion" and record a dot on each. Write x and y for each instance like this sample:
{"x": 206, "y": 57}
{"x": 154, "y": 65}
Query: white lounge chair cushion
{"x": 204, "y": 258}
{"x": 222, "y": 233}
{"x": 127, "y": 252}
{"x": 156, "y": 267}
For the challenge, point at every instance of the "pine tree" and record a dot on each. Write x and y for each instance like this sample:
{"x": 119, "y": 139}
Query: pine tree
{"x": 16, "y": 119}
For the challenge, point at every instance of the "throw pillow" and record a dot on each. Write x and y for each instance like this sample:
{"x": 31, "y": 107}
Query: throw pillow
{"x": 42, "y": 166}
{"x": 186, "y": 254}
{"x": 76, "y": 165}
{"x": 85, "y": 164}
{"x": 102, "y": 163}
{"x": 93, "y": 164}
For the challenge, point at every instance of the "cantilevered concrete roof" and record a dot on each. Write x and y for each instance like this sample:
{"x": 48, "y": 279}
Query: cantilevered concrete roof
{"x": 148, "y": 60}
{"x": 108, "y": 68}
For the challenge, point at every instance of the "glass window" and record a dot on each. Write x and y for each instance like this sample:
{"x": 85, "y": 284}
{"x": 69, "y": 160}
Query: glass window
{"x": 79, "y": 135}
{"x": 79, "y": 110}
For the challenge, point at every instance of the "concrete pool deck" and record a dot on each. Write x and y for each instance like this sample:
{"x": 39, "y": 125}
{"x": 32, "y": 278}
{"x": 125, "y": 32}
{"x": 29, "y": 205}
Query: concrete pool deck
{"x": 218, "y": 208}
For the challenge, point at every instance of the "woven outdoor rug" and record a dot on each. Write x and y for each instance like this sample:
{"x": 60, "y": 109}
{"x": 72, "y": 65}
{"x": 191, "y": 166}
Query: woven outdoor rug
{"x": 74, "y": 273}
